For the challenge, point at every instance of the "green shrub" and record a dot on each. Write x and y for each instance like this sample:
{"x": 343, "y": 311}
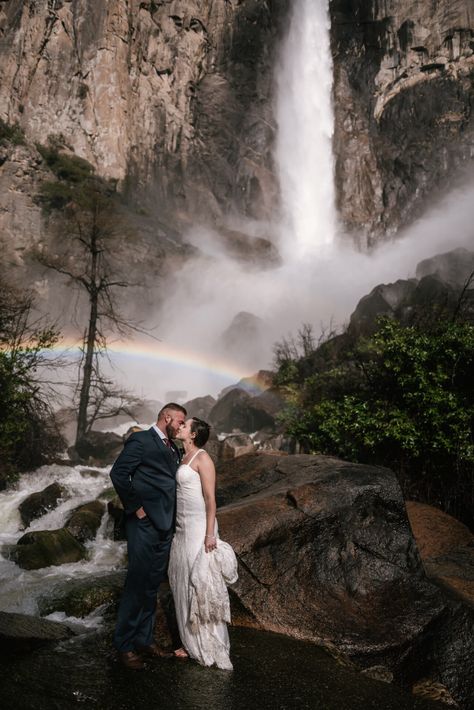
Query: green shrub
{"x": 27, "y": 432}
{"x": 11, "y": 134}
{"x": 403, "y": 398}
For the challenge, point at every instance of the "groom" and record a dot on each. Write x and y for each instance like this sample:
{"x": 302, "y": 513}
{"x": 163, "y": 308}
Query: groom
{"x": 144, "y": 476}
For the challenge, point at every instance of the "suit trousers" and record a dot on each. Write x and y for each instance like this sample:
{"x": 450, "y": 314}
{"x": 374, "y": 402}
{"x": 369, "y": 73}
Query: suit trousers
{"x": 148, "y": 555}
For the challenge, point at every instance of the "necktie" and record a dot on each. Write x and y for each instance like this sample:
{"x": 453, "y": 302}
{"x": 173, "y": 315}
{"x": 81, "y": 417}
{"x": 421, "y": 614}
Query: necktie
{"x": 167, "y": 442}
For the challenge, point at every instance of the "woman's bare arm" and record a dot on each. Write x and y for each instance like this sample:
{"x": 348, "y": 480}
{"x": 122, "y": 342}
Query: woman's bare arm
{"x": 207, "y": 472}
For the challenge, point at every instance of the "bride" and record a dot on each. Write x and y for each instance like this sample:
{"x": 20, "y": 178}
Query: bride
{"x": 201, "y": 565}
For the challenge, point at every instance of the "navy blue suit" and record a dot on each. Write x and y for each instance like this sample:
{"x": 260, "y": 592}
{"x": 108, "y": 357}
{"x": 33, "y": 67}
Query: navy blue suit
{"x": 144, "y": 475}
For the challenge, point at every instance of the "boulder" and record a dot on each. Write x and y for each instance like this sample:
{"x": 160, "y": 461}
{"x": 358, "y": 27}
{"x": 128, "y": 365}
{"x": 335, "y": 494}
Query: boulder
{"x": 85, "y": 520}
{"x": 326, "y": 554}
{"x": 20, "y": 632}
{"x": 98, "y": 447}
{"x": 43, "y": 548}
{"x": 39, "y": 503}
{"x": 446, "y": 547}
{"x": 236, "y": 445}
{"x": 238, "y": 411}
{"x": 81, "y": 597}
{"x": 200, "y": 407}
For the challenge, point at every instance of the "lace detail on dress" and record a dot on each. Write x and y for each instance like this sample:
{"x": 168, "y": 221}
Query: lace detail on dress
{"x": 211, "y": 572}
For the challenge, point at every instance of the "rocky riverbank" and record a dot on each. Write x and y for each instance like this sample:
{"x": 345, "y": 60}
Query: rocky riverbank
{"x": 326, "y": 555}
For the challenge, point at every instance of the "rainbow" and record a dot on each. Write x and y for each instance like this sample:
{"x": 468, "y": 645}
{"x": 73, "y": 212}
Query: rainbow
{"x": 165, "y": 354}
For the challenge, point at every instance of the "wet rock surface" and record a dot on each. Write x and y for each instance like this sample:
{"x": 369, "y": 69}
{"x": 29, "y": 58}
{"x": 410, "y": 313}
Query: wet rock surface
{"x": 85, "y": 521}
{"x": 447, "y": 549}
{"x": 43, "y": 548}
{"x": 80, "y": 598}
{"x": 326, "y": 554}
{"x": 270, "y": 671}
{"x": 20, "y": 633}
{"x": 37, "y": 504}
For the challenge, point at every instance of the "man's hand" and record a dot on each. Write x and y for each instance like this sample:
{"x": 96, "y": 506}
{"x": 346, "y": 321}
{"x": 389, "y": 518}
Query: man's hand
{"x": 140, "y": 513}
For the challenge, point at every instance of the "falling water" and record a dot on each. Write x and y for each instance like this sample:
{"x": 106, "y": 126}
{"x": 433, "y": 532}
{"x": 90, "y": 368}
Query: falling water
{"x": 304, "y": 116}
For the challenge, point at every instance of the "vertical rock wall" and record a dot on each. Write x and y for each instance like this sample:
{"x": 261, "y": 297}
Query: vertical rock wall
{"x": 171, "y": 96}
{"x": 404, "y": 74}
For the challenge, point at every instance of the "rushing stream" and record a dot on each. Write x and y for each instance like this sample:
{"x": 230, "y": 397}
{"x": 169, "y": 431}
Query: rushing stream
{"x": 21, "y": 589}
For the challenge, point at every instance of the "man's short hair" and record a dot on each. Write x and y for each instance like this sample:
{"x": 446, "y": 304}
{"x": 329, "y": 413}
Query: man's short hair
{"x": 175, "y": 407}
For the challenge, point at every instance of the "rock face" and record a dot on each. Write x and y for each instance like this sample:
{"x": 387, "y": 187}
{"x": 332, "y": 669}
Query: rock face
{"x": 439, "y": 288}
{"x": 174, "y": 100}
{"x": 326, "y": 554}
{"x": 403, "y": 102}
{"x": 171, "y": 94}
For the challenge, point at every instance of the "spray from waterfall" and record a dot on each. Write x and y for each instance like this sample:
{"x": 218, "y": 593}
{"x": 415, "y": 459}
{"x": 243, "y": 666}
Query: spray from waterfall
{"x": 320, "y": 280}
{"x": 304, "y": 116}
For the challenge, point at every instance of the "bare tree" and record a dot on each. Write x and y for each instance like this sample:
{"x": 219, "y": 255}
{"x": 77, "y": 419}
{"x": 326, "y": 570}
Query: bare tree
{"x": 88, "y": 213}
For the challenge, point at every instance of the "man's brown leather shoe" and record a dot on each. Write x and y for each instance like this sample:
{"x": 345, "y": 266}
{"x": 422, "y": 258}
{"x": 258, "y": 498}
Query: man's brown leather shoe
{"x": 154, "y": 650}
{"x": 132, "y": 660}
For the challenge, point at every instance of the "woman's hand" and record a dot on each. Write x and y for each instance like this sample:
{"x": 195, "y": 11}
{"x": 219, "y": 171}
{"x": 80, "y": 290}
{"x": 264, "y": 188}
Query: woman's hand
{"x": 210, "y": 543}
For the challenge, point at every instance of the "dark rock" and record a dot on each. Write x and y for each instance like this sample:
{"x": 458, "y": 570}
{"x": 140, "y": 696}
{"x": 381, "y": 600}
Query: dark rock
{"x": 19, "y": 632}
{"x": 238, "y": 411}
{"x": 453, "y": 267}
{"x": 98, "y": 446}
{"x": 327, "y": 554}
{"x": 235, "y": 445}
{"x": 400, "y": 131}
{"x": 383, "y": 300}
{"x": 85, "y": 520}
{"x": 43, "y": 548}
{"x": 90, "y": 473}
{"x": 200, "y": 407}
{"x": 259, "y": 252}
{"x": 445, "y": 653}
{"x": 430, "y": 297}
{"x": 446, "y": 547}
{"x": 271, "y": 401}
{"x": 81, "y": 597}
{"x": 37, "y": 504}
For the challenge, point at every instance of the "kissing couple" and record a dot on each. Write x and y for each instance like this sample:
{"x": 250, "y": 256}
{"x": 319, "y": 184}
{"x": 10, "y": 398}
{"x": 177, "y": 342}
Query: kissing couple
{"x": 168, "y": 495}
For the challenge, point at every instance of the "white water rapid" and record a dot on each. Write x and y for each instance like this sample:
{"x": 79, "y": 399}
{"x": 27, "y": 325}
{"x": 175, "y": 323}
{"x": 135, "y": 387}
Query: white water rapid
{"x": 20, "y": 589}
{"x": 304, "y": 116}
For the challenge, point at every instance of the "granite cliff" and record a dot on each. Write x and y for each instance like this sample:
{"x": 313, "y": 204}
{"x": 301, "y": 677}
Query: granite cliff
{"x": 174, "y": 100}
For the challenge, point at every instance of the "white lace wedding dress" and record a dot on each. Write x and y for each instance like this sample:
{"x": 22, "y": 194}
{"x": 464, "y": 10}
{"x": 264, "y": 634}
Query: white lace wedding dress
{"x": 198, "y": 579}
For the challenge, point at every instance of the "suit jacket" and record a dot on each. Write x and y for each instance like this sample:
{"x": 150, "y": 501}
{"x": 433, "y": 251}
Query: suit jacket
{"x": 145, "y": 475}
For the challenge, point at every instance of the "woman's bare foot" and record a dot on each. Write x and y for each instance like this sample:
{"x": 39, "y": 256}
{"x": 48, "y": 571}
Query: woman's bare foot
{"x": 181, "y": 653}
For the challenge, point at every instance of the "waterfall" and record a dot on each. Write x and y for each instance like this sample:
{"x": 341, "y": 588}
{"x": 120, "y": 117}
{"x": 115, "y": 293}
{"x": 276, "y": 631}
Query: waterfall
{"x": 304, "y": 116}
